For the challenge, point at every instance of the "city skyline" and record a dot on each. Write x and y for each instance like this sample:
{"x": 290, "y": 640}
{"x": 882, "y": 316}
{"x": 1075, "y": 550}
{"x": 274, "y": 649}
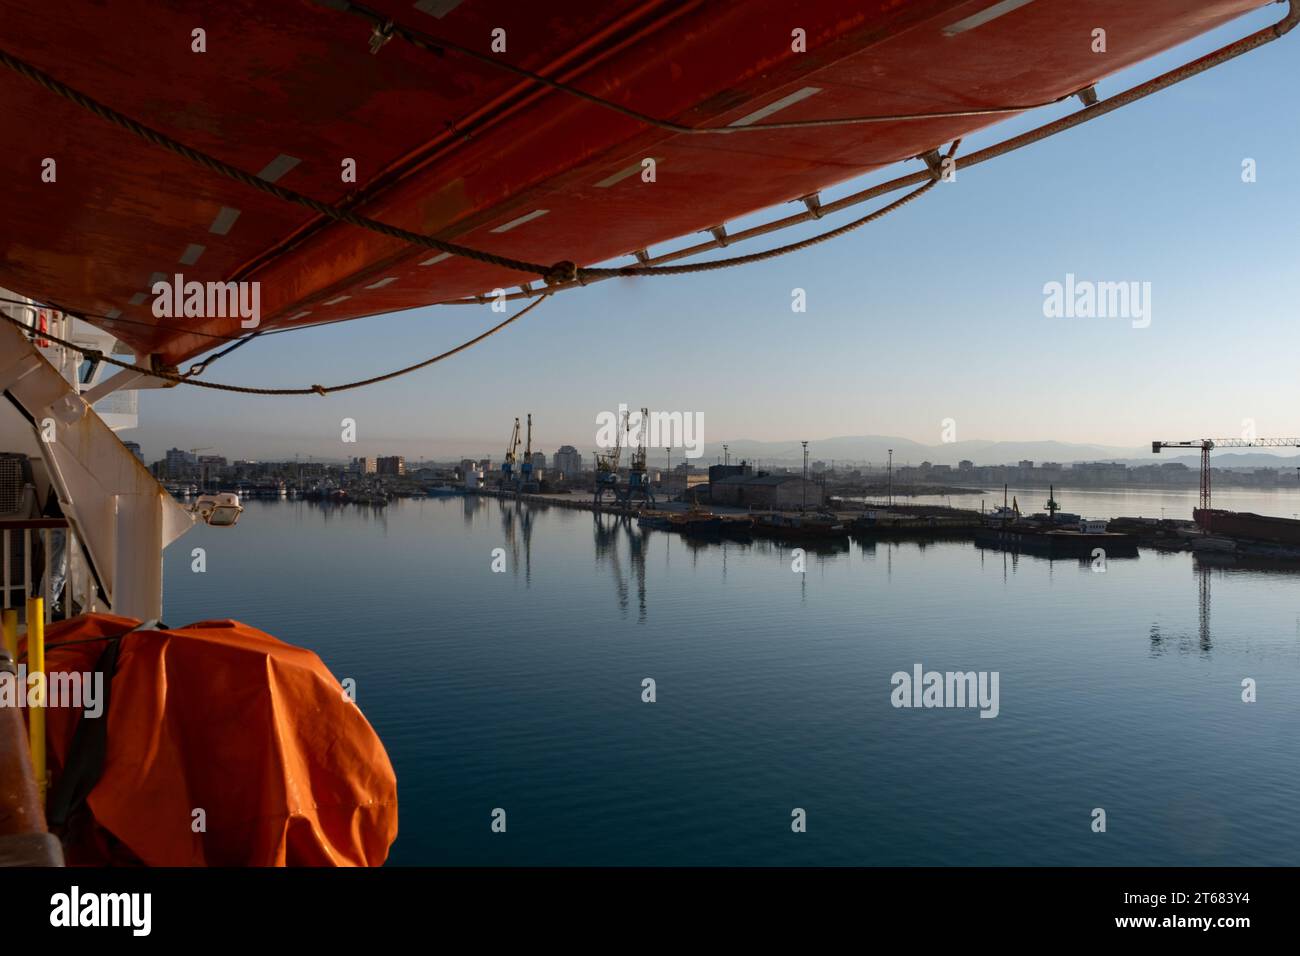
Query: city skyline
{"x": 908, "y": 455}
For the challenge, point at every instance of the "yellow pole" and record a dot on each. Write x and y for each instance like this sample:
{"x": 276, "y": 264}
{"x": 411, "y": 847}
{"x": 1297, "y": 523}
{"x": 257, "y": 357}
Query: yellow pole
{"x": 36, "y": 668}
{"x": 9, "y": 623}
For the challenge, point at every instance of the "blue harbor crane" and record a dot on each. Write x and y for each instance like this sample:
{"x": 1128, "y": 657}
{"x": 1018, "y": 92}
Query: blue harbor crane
{"x": 638, "y": 475}
{"x": 508, "y": 463}
{"x": 607, "y": 467}
{"x": 527, "y": 481}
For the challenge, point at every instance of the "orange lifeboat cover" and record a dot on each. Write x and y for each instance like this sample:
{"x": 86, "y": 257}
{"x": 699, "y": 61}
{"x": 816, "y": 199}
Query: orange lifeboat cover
{"x": 220, "y": 717}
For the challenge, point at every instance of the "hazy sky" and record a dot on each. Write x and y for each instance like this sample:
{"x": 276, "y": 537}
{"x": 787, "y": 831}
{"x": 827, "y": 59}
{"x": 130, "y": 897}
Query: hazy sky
{"x": 935, "y": 312}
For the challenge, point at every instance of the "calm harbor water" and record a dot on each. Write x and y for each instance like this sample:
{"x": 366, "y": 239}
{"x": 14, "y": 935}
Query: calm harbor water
{"x": 1126, "y": 502}
{"x": 522, "y": 690}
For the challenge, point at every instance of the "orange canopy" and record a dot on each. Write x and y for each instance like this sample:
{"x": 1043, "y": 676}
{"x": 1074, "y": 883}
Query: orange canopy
{"x": 221, "y": 718}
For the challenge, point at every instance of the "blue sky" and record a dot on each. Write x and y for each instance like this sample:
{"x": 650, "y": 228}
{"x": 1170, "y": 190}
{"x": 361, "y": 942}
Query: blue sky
{"x": 934, "y": 312}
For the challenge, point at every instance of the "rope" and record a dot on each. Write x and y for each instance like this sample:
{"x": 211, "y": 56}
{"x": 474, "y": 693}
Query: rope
{"x": 152, "y": 136}
{"x": 387, "y": 28}
{"x": 598, "y": 275}
{"x": 560, "y": 274}
{"x": 566, "y": 274}
{"x": 195, "y": 369}
{"x": 102, "y": 319}
{"x": 1088, "y": 114}
{"x": 199, "y": 368}
{"x": 689, "y": 268}
{"x": 96, "y": 354}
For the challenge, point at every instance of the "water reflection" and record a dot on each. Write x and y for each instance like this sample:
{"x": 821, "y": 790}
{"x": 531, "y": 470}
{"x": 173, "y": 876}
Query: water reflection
{"x": 1184, "y": 643}
{"x": 472, "y": 504}
{"x": 341, "y": 510}
{"x": 621, "y": 544}
{"x": 517, "y": 528}
{"x": 765, "y": 654}
{"x": 607, "y": 531}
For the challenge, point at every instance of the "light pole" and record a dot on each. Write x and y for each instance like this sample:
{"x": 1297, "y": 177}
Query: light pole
{"x": 804, "y": 485}
{"x": 726, "y": 456}
{"x": 891, "y": 477}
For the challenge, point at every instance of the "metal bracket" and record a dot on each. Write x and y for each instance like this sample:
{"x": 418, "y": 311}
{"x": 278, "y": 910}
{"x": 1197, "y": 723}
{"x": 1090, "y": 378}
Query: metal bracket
{"x": 934, "y": 162}
{"x": 68, "y": 408}
{"x": 124, "y": 379}
{"x": 380, "y": 36}
{"x": 814, "y": 203}
{"x": 1088, "y": 96}
{"x": 158, "y": 365}
{"x": 719, "y": 233}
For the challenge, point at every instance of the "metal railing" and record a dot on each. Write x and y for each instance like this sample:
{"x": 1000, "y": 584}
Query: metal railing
{"x": 41, "y": 557}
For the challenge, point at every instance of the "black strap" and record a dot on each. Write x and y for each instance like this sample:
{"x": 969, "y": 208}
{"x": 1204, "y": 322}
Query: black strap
{"x": 89, "y": 749}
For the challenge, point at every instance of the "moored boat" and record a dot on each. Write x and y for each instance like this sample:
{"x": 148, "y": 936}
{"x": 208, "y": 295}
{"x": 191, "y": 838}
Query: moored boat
{"x": 1054, "y": 542}
{"x": 801, "y": 525}
{"x": 695, "y": 523}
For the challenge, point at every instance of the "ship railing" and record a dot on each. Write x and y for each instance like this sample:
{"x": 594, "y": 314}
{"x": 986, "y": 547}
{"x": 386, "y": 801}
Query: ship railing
{"x": 42, "y": 557}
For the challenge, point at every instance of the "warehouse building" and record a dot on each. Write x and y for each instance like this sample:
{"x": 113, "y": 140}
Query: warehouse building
{"x": 776, "y": 492}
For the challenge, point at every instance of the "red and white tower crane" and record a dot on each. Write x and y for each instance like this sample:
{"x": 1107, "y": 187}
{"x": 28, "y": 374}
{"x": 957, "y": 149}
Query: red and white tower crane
{"x": 1206, "y": 445}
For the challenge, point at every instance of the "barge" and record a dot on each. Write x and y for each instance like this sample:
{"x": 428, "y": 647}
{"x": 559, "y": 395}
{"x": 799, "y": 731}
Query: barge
{"x": 1057, "y": 542}
{"x": 1248, "y": 526}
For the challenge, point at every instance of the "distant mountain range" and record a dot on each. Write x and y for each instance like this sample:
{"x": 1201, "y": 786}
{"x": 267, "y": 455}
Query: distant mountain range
{"x": 874, "y": 449}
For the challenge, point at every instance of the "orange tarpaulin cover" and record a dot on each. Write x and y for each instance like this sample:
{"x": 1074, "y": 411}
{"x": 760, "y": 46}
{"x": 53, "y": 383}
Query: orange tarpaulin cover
{"x": 221, "y": 718}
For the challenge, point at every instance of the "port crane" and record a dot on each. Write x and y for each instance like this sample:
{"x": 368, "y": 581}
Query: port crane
{"x": 526, "y": 480}
{"x": 607, "y": 466}
{"x": 638, "y": 475}
{"x": 508, "y": 463}
{"x": 1206, "y": 445}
